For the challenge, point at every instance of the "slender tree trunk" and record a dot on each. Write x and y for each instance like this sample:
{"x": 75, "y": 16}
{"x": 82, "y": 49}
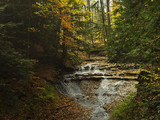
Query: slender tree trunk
{"x": 90, "y": 24}
{"x": 58, "y": 30}
{"x": 103, "y": 21}
{"x": 88, "y": 5}
{"x": 108, "y": 19}
{"x": 64, "y": 48}
{"x": 92, "y": 35}
{"x": 108, "y": 14}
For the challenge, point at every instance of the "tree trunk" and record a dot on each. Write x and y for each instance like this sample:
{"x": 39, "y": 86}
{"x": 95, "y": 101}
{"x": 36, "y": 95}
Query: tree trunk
{"x": 103, "y": 21}
{"x": 108, "y": 14}
{"x": 58, "y": 30}
{"x": 88, "y": 5}
{"x": 108, "y": 19}
{"x": 90, "y": 24}
{"x": 64, "y": 48}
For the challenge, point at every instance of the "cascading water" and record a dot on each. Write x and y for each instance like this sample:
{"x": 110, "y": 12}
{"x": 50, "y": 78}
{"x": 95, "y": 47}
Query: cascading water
{"x": 74, "y": 85}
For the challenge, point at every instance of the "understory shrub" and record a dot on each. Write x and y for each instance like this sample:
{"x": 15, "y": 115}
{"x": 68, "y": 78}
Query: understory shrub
{"x": 124, "y": 110}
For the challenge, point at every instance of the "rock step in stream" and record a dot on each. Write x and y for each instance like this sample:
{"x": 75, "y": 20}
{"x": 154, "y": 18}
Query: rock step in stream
{"x": 94, "y": 87}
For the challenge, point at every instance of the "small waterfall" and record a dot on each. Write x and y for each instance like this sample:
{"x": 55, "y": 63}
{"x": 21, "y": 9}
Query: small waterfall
{"x": 107, "y": 91}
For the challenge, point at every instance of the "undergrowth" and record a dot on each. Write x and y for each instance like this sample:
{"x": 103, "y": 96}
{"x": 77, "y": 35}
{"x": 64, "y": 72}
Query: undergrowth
{"x": 124, "y": 110}
{"x": 145, "y": 104}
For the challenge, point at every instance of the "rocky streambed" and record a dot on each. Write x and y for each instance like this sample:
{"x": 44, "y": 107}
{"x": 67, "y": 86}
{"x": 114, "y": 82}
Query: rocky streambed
{"x": 99, "y": 86}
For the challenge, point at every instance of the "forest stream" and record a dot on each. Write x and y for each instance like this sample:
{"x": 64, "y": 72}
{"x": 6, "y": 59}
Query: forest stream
{"x": 80, "y": 60}
{"x": 99, "y": 85}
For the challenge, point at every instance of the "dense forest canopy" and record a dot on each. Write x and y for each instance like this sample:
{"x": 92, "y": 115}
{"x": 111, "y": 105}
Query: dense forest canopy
{"x": 136, "y": 32}
{"x": 59, "y": 32}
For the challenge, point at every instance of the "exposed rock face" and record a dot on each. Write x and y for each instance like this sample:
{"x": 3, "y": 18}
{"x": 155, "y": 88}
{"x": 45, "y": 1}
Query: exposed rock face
{"x": 98, "y": 84}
